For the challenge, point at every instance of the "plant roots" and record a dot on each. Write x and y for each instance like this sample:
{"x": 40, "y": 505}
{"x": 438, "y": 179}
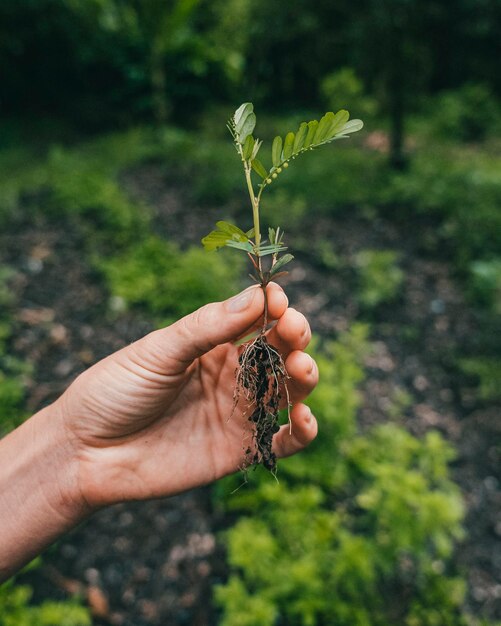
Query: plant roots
{"x": 261, "y": 379}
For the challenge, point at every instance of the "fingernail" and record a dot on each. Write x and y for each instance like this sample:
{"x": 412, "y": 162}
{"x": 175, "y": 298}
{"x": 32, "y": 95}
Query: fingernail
{"x": 309, "y": 417}
{"x": 241, "y": 301}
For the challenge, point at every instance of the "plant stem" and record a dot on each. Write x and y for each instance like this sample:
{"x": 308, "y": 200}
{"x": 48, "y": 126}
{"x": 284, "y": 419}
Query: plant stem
{"x": 255, "y": 211}
{"x": 257, "y": 239}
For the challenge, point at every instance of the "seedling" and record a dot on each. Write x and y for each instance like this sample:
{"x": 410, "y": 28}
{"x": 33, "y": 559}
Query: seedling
{"x": 261, "y": 377}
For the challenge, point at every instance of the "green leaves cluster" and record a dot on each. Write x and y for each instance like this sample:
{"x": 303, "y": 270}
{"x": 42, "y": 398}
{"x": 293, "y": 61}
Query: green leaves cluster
{"x": 309, "y": 135}
{"x": 360, "y": 529}
{"x": 16, "y": 609}
{"x": 312, "y": 135}
{"x": 158, "y": 277}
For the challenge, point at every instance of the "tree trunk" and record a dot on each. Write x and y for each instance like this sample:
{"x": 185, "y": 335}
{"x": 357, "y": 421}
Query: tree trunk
{"x": 396, "y": 83}
{"x": 158, "y": 80}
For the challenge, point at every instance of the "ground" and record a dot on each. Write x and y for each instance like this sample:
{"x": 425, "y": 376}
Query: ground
{"x": 154, "y": 563}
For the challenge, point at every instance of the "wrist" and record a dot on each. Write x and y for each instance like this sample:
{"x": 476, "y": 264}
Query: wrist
{"x": 39, "y": 494}
{"x": 56, "y": 463}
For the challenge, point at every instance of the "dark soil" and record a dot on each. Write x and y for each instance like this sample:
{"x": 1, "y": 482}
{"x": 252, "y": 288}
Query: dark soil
{"x": 154, "y": 563}
{"x": 260, "y": 380}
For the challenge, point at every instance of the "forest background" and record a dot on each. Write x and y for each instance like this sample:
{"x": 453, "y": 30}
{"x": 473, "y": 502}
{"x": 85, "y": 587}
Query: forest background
{"x": 115, "y": 161}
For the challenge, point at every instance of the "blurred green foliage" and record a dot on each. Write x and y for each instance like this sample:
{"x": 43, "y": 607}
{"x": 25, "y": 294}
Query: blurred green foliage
{"x": 15, "y": 608}
{"x": 379, "y": 277}
{"x": 11, "y": 369}
{"x": 168, "y": 282}
{"x": 358, "y": 520}
{"x": 470, "y": 113}
{"x": 343, "y": 89}
{"x": 485, "y": 284}
{"x": 486, "y": 373}
{"x": 361, "y": 519}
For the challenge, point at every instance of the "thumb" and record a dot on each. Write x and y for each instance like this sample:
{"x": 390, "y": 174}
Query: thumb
{"x": 192, "y": 336}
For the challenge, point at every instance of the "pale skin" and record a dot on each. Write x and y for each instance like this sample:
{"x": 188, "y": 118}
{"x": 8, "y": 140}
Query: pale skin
{"x": 151, "y": 420}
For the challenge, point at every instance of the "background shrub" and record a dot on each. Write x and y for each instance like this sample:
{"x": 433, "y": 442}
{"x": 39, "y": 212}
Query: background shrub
{"x": 168, "y": 282}
{"x": 360, "y": 529}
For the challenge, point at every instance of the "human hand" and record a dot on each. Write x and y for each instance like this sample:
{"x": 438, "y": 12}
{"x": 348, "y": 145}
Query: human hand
{"x": 150, "y": 420}
{"x": 154, "y": 418}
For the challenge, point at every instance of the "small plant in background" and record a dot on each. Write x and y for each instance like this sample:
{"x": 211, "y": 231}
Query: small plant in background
{"x": 485, "y": 284}
{"x": 16, "y": 610}
{"x": 345, "y": 86}
{"x": 261, "y": 374}
{"x": 379, "y": 277}
{"x": 361, "y": 529}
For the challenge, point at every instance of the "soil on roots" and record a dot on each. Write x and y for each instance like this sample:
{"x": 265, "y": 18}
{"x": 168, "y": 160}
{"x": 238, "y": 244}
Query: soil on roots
{"x": 261, "y": 379}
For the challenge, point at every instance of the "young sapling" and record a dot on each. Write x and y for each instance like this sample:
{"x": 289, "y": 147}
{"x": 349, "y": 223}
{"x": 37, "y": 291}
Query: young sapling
{"x": 261, "y": 377}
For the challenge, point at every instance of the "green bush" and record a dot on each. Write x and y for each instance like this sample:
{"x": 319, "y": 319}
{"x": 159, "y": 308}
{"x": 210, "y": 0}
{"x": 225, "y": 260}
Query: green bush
{"x": 485, "y": 284}
{"x": 360, "y": 529}
{"x": 80, "y": 186}
{"x": 168, "y": 282}
{"x": 343, "y": 89}
{"x": 486, "y": 372}
{"x": 83, "y": 181}
{"x": 379, "y": 277}
{"x": 470, "y": 113}
{"x": 15, "y": 608}
{"x": 11, "y": 401}
{"x": 11, "y": 369}
{"x": 461, "y": 192}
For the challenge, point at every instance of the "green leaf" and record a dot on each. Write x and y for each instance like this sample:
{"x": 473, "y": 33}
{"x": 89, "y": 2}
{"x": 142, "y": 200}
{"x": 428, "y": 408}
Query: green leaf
{"x": 250, "y": 233}
{"x": 337, "y": 122}
{"x": 276, "y": 151}
{"x": 247, "y": 127}
{"x": 300, "y": 137}
{"x": 255, "y": 149}
{"x": 241, "y": 114}
{"x": 214, "y": 240}
{"x": 259, "y": 168}
{"x": 286, "y": 258}
{"x": 226, "y": 235}
{"x": 239, "y": 245}
{"x": 312, "y": 128}
{"x": 323, "y": 127}
{"x": 351, "y": 127}
{"x": 271, "y": 249}
{"x": 248, "y": 147}
{"x": 232, "y": 230}
{"x": 288, "y": 145}
{"x": 271, "y": 235}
